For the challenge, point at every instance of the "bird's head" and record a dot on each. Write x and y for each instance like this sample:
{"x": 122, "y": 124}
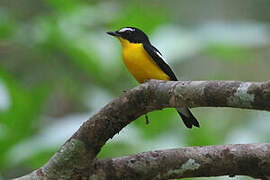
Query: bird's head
{"x": 131, "y": 34}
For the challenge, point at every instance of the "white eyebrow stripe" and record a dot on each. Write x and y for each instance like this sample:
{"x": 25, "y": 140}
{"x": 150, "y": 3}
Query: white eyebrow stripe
{"x": 126, "y": 29}
{"x": 158, "y": 53}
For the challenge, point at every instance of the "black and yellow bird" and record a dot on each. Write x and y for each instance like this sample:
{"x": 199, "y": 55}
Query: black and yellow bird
{"x": 145, "y": 62}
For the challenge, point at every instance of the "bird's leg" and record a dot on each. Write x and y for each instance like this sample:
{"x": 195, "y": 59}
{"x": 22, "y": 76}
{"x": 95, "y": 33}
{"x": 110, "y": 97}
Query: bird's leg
{"x": 146, "y": 119}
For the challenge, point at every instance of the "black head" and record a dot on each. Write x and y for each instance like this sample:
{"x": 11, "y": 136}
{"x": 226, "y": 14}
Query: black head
{"x": 131, "y": 34}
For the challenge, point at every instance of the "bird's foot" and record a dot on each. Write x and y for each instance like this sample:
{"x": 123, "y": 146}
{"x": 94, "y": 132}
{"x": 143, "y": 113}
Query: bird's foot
{"x": 146, "y": 119}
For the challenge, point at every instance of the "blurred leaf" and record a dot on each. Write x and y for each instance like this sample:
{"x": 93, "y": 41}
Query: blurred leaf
{"x": 62, "y": 5}
{"x": 18, "y": 120}
{"x": 230, "y": 53}
{"x": 203, "y": 137}
{"x": 138, "y": 14}
{"x": 159, "y": 121}
{"x": 119, "y": 149}
{"x": 67, "y": 48}
{"x": 40, "y": 159}
{"x": 6, "y": 25}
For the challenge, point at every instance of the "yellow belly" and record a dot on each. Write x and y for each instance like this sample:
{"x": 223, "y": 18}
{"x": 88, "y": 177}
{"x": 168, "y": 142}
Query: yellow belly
{"x": 140, "y": 64}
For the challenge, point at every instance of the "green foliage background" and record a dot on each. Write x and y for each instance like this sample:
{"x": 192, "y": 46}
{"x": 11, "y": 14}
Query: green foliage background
{"x": 58, "y": 67}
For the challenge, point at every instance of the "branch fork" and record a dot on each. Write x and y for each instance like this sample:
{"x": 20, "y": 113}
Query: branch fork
{"x": 76, "y": 159}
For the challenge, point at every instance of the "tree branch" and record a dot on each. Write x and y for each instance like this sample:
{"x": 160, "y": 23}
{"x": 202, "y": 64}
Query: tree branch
{"x": 235, "y": 159}
{"x": 76, "y": 158}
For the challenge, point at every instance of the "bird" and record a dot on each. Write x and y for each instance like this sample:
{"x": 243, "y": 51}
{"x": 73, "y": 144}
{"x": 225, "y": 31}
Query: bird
{"x": 145, "y": 62}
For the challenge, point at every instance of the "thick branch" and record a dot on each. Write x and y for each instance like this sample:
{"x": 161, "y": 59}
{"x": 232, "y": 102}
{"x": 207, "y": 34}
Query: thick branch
{"x": 77, "y": 155}
{"x": 250, "y": 159}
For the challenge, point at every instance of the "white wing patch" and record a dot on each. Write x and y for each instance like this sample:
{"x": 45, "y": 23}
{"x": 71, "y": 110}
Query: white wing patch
{"x": 126, "y": 29}
{"x": 158, "y": 53}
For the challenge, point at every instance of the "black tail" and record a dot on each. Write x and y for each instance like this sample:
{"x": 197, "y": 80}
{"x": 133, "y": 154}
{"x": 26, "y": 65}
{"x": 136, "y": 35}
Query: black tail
{"x": 187, "y": 117}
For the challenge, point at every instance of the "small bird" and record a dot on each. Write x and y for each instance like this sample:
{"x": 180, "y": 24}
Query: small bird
{"x": 145, "y": 62}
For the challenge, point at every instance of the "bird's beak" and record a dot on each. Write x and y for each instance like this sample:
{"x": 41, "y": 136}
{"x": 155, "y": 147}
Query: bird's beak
{"x": 113, "y": 33}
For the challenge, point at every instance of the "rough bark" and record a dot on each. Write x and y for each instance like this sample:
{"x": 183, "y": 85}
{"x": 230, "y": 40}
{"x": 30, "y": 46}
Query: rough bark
{"x": 234, "y": 159}
{"x": 77, "y": 157}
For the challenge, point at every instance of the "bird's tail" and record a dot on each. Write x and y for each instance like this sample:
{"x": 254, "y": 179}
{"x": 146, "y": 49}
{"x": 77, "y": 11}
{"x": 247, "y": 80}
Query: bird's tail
{"x": 187, "y": 117}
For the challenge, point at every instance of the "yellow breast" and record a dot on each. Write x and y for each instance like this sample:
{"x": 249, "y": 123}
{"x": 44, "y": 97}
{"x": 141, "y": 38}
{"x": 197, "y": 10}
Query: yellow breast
{"x": 139, "y": 63}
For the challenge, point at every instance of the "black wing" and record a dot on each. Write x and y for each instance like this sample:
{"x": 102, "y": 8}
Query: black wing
{"x": 184, "y": 112}
{"x": 157, "y": 57}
